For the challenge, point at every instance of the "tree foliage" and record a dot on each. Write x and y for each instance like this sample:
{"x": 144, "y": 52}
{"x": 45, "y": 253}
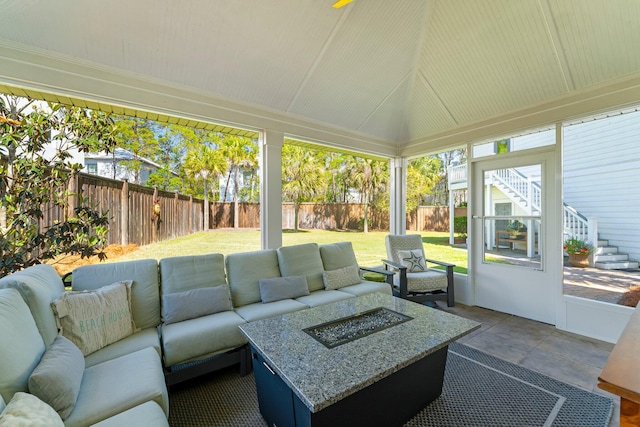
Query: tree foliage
{"x": 36, "y": 164}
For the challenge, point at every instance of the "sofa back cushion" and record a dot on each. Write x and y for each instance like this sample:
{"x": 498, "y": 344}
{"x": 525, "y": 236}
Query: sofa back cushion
{"x": 304, "y": 260}
{"x": 38, "y": 285}
{"x": 145, "y": 291}
{"x": 338, "y": 255}
{"x": 22, "y": 346}
{"x": 183, "y": 273}
{"x": 245, "y": 269}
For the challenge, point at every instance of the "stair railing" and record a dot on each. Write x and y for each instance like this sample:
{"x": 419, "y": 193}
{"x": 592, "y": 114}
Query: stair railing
{"x": 522, "y": 186}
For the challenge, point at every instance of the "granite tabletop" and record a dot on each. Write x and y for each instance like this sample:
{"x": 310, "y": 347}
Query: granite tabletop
{"x": 321, "y": 376}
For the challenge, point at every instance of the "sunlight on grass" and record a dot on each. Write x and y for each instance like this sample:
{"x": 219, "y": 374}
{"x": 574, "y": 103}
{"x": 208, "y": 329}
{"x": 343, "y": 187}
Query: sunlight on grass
{"x": 369, "y": 248}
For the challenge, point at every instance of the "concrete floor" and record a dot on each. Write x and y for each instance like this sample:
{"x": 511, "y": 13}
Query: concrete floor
{"x": 567, "y": 357}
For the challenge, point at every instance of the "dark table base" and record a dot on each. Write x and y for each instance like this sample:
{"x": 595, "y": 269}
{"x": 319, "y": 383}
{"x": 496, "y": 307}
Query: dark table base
{"x": 392, "y": 401}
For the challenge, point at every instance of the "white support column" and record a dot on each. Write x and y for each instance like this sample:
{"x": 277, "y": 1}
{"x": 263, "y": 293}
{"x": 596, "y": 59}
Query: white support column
{"x": 452, "y": 214}
{"x": 271, "y": 143}
{"x": 398, "y": 202}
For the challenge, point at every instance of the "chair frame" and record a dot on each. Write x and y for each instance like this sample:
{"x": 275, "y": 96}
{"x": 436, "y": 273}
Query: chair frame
{"x": 422, "y": 297}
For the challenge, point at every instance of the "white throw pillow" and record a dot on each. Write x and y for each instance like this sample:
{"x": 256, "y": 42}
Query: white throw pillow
{"x": 336, "y": 279}
{"x": 94, "y": 319}
{"x": 414, "y": 260}
{"x": 25, "y": 409}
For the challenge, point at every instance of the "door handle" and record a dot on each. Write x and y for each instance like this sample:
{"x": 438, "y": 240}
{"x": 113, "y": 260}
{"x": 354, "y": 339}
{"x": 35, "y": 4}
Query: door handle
{"x": 476, "y": 217}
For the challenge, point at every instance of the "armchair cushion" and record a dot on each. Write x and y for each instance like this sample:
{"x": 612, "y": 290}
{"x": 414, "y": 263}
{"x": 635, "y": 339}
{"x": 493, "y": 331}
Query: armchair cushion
{"x": 193, "y": 303}
{"x": 414, "y": 260}
{"x": 278, "y": 288}
{"x": 426, "y": 281}
{"x": 56, "y": 380}
{"x": 336, "y": 279}
{"x": 27, "y": 410}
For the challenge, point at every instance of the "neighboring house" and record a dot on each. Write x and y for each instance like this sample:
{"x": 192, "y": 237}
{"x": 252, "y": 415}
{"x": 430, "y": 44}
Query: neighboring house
{"x": 246, "y": 178}
{"x": 114, "y": 166}
{"x": 599, "y": 188}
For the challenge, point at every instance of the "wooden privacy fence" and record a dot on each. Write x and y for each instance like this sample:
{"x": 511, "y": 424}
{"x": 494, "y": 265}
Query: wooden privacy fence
{"x": 142, "y": 215}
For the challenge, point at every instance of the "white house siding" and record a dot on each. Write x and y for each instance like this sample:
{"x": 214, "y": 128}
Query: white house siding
{"x": 602, "y": 177}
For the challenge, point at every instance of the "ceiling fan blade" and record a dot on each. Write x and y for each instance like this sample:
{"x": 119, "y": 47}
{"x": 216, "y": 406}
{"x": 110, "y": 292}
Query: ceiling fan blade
{"x": 341, "y": 3}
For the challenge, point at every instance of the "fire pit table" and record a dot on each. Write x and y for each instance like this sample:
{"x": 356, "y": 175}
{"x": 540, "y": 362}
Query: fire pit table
{"x": 370, "y": 360}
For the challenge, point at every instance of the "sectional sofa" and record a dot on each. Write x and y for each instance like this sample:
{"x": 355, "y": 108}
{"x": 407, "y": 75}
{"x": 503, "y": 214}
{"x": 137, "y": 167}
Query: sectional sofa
{"x": 104, "y": 352}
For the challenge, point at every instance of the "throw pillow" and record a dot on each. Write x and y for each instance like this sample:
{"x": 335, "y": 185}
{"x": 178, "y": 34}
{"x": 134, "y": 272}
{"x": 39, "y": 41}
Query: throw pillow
{"x": 94, "y": 319}
{"x": 279, "y": 288}
{"x": 346, "y": 276}
{"x": 27, "y": 410}
{"x": 56, "y": 380}
{"x": 179, "y": 306}
{"x": 413, "y": 259}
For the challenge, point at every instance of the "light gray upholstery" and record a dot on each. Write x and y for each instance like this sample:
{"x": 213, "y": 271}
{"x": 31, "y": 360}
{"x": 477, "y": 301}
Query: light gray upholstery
{"x": 149, "y": 414}
{"x": 337, "y": 255}
{"x": 258, "y": 310}
{"x": 145, "y": 303}
{"x": 38, "y": 285}
{"x": 323, "y": 297}
{"x": 304, "y": 260}
{"x": 366, "y": 287}
{"x": 117, "y": 385}
{"x": 141, "y": 339}
{"x": 21, "y": 345}
{"x": 202, "y": 337}
{"x": 244, "y": 270}
{"x": 145, "y": 292}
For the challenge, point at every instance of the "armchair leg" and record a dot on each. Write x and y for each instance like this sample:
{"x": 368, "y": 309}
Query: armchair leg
{"x": 451, "y": 301}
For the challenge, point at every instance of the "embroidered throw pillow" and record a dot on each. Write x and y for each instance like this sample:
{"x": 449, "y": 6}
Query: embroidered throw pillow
{"x": 193, "y": 303}
{"x": 27, "y": 410}
{"x": 94, "y": 319}
{"x": 413, "y": 260}
{"x": 346, "y": 276}
{"x": 279, "y": 288}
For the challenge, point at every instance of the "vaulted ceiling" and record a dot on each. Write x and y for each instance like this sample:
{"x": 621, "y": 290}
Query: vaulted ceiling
{"x": 385, "y": 76}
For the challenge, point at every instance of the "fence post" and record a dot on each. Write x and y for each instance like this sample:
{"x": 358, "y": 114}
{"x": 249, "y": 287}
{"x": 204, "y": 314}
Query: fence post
{"x": 72, "y": 200}
{"x": 190, "y": 218}
{"x": 175, "y": 221}
{"x": 124, "y": 209}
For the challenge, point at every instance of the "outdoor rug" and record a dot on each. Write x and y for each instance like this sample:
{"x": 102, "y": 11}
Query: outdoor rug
{"x": 479, "y": 390}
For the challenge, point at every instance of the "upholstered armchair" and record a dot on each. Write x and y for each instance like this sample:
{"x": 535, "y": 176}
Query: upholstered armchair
{"x": 414, "y": 280}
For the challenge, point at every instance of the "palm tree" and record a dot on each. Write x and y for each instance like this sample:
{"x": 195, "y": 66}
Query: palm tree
{"x": 240, "y": 153}
{"x": 369, "y": 177}
{"x": 205, "y": 163}
{"x": 302, "y": 177}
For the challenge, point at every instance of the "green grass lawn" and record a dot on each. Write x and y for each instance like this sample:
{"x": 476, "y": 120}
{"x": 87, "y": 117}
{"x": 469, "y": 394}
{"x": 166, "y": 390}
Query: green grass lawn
{"x": 369, "y": 248}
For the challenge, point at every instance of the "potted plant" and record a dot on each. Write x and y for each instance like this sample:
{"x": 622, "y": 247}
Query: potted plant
{"x": 460, "y": 229}
{"x": 516, "y": 227}
{"x": 579, "y": 251}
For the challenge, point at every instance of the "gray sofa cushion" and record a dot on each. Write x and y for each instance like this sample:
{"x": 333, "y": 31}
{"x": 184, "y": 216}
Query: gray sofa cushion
{"x": 117, "y": 385}
{"x": 337, "y": 255}
{"x": 257, "y": 311}
{"x": 202, "y": 337}
{"x": 142, "y": 339}
{"x": 56, "y": 380}
{"x": 323, "y": 297}
{"x": 193, "y": 303}
{"x": 277, "y": 288}
{"x": 191, "y": 272}
{"x": 244, "y": 270}
{"x": 148, "y": 414}
{"x": 22, "y": 346}
{"x": 38, "y": 285}
{"x": 302, "y": 259}
{"x": 366, "y": 287}
{"x": 145, "y": 292}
